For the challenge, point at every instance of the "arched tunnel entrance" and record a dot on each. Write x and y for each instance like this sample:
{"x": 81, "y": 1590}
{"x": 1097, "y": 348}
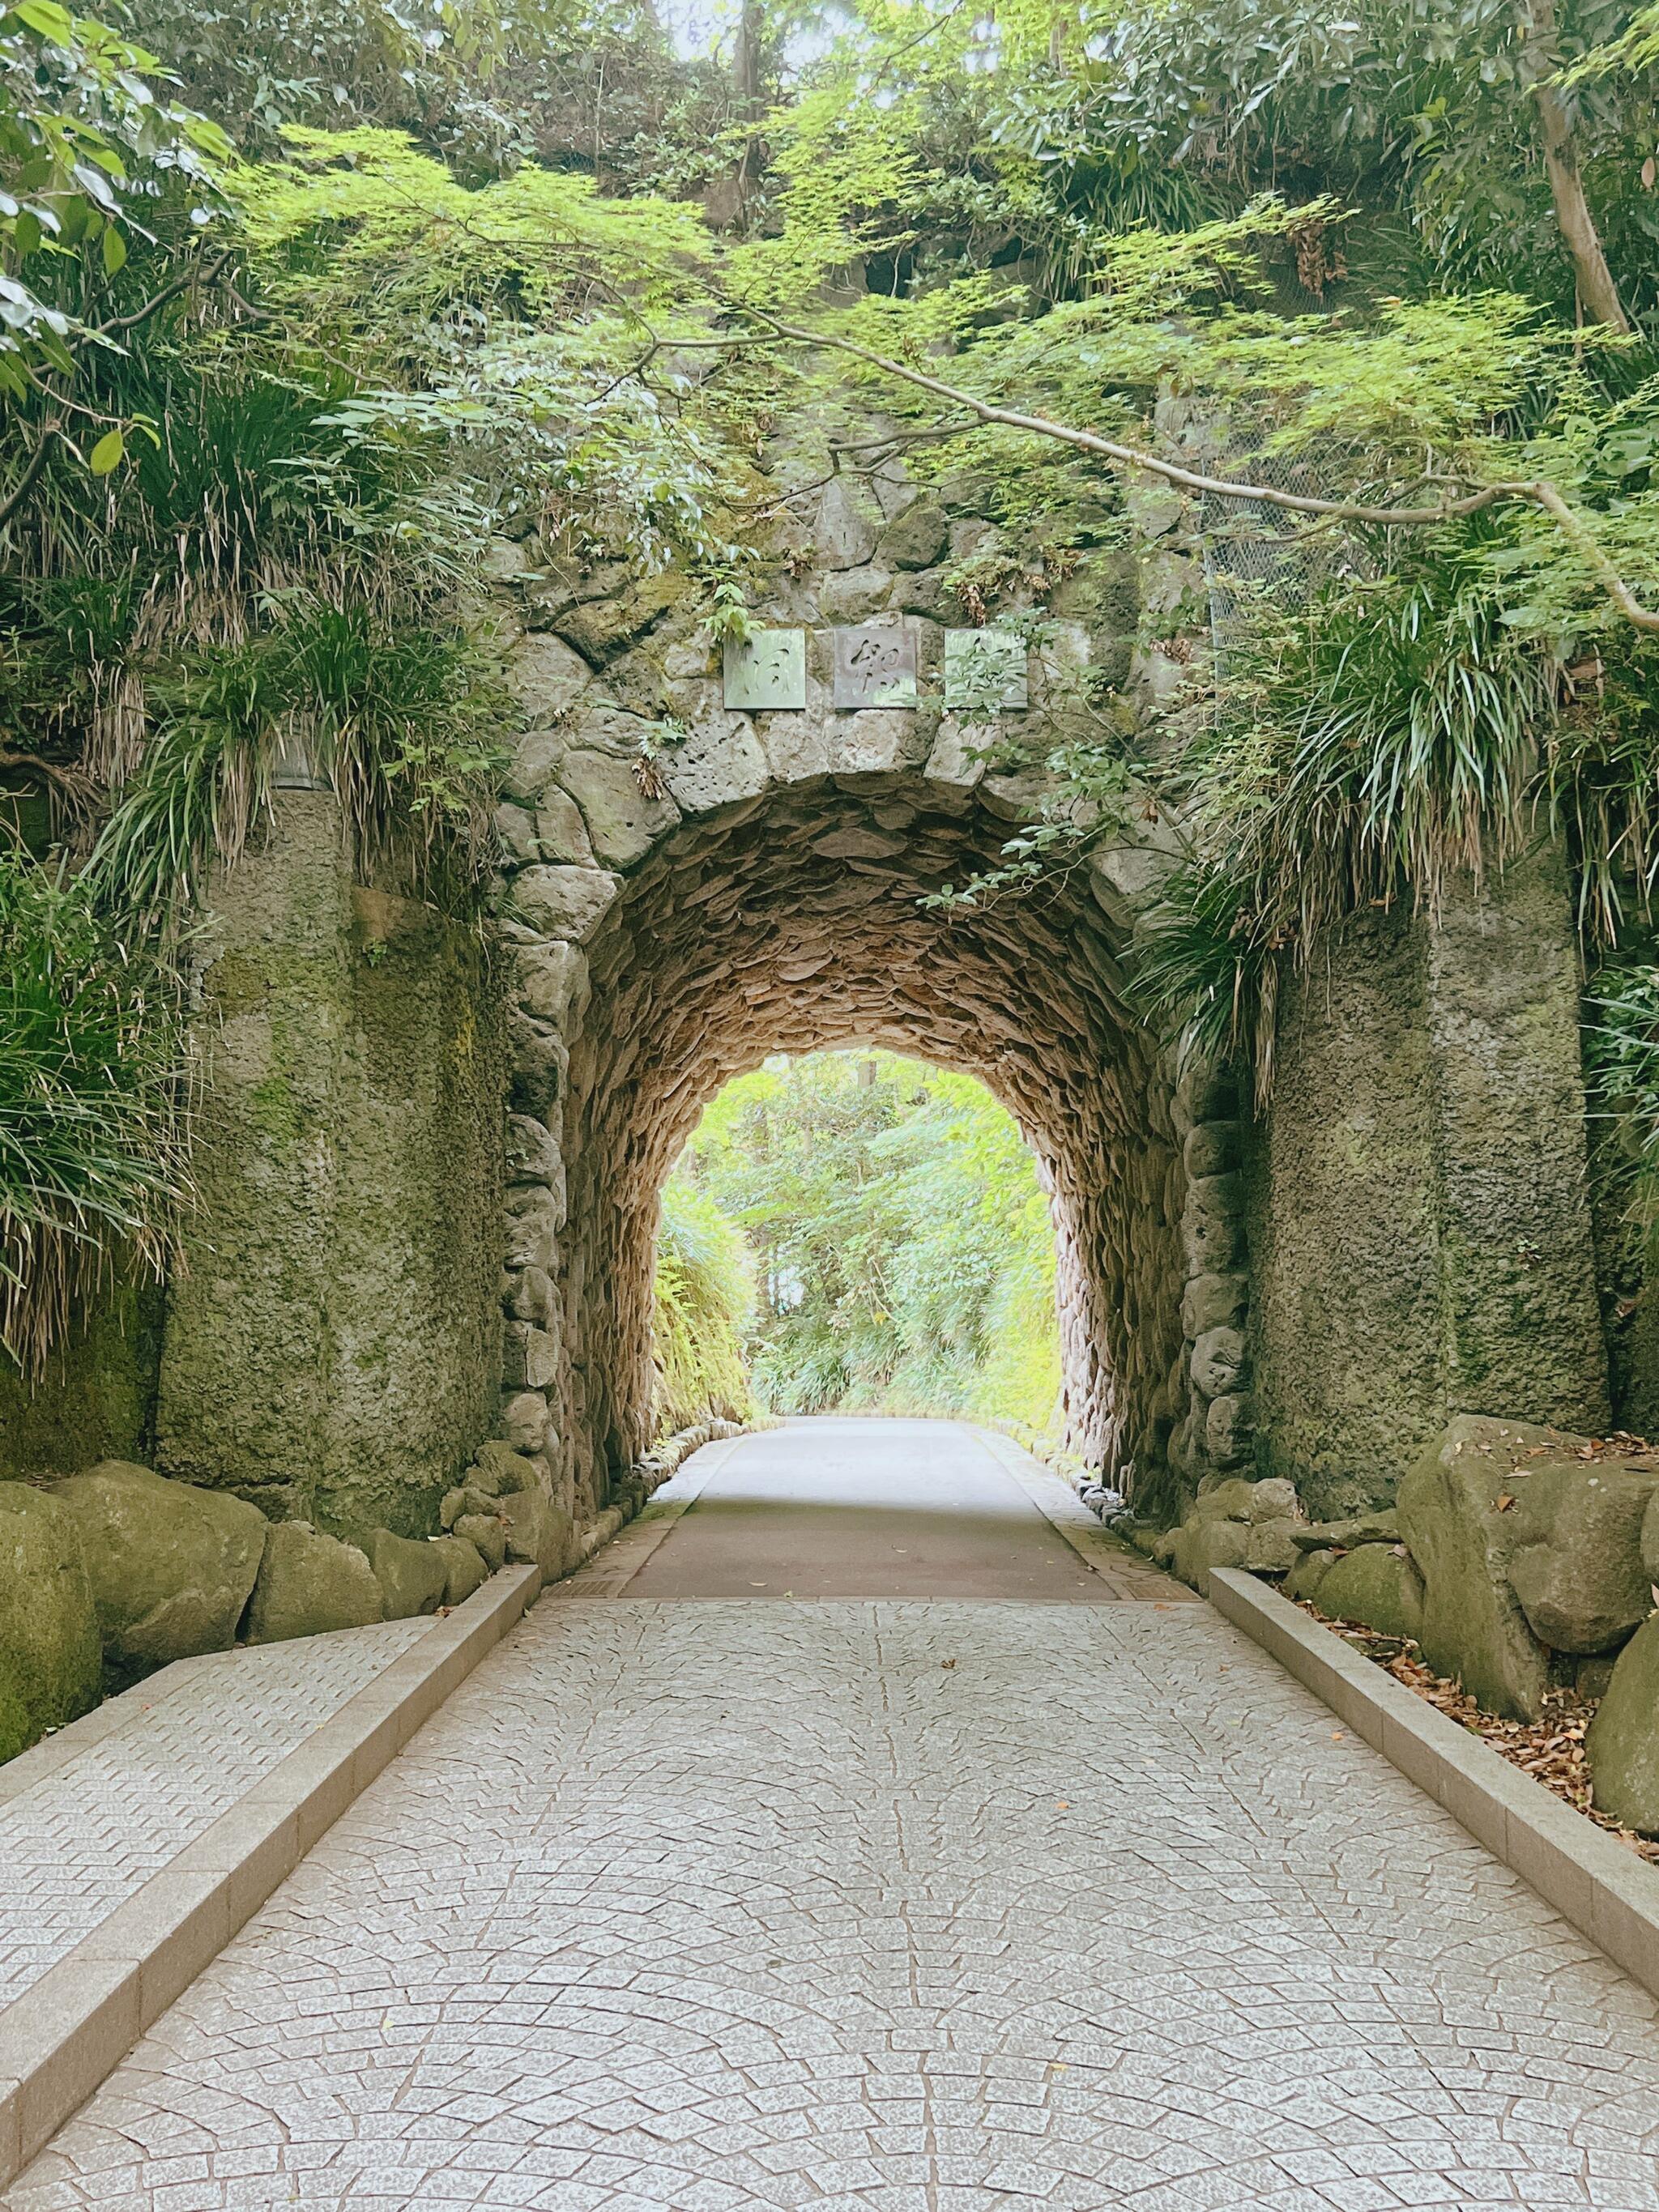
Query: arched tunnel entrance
{"x": 376, "y": 1283}
{"x": 795, "y": 919}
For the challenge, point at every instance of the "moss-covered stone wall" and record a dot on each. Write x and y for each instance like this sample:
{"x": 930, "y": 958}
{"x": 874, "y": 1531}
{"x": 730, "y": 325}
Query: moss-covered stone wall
{"x": 1419, "y": 1219}
{"x": 96, "y": 1399}
{"x": 332, "y": 1345}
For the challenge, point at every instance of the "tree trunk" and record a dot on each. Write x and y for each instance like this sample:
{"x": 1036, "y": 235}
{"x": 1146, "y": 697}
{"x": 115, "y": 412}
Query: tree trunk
{"x": 1598, "y": 296}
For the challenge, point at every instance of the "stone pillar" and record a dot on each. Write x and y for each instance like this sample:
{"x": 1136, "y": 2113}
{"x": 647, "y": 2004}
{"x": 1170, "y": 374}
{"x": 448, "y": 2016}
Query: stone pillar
{"x": 1419, "y": 1220}
{"x": 332, "y": 1345}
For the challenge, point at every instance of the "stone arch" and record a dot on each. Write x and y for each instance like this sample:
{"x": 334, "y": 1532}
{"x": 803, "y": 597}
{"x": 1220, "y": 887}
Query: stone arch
{"x": 767, "y": 894}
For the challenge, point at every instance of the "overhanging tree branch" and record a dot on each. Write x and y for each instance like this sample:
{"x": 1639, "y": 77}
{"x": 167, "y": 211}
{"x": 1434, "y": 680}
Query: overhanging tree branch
{"x": 1531, "y": 491}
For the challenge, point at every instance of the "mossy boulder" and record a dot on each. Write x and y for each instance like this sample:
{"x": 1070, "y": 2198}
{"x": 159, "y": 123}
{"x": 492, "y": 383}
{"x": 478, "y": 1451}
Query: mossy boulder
{"x": 1309, "y": 1572}
{"x": 50, "y": 1657}
{"x": 309, "y": 1583}
{"x": 498, "y": 1468}
{"x": 1198, "y": 1546}
{"x": 918, "y": 537}
{"x": 1622, "y": 1747}
{"x": 1577, "y": 1565}
{"x": 487, "y": 1532}
{"x": 171, "y": 1565}
{"x": 601, "y": 629}
{"x": 1457, "y": 1517}
{"x": 538, "y": 1533}
{"x": 463, "y": 1567}
{"x": 1378, "y": 1585}
{"x": 411, "y": 1574}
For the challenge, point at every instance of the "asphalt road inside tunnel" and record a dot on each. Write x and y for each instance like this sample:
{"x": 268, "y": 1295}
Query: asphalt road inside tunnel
{"x": 865, "y": 1509}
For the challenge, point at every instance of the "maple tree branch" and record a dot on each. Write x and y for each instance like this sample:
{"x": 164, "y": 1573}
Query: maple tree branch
{"x": 1532, "y": 491}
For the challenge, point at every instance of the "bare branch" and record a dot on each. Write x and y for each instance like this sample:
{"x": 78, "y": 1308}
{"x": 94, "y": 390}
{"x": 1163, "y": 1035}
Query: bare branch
{"x": 52, "y": 427}
{"x": 119, "y": 323}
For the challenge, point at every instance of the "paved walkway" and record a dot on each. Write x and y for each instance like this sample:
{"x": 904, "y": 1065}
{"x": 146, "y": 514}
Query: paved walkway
{"x": 87, "y": 1817}
{"x": 883, "y": 1904}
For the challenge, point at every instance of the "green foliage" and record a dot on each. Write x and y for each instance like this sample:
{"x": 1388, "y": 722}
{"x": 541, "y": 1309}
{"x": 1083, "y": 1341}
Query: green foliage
{"x": 91, "y": 1158}
{"x": 84, "y": 142}
{"x": 903, "y": 1253}
{"x": 1379, "y": 737}
{"x": 1621, "y": 1082}
{"x": 704, "y": 1299}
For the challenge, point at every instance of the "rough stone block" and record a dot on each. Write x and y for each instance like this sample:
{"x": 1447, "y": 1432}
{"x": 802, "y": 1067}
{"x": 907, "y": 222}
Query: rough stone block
{"x": 530, "y": 1357}
{"x": 1225, "y": 1501}
{"x": 553, "y": 983}
{"x": 1212, "y": 1302}
{"x": 721, "y": 763}
{"x": 1622, "y": 1747}
{"x": 1381, "y": 1527}
{"x": 1211, "y": 1229}
{"x": 917, "y": 538}
{"x": 1218, "y": 1361}
{"x": 538, "y": 1533}
{"x": 487, "y": 1532}
{"x": 502, "y": 1470}
{"x": 1229, "y": 1429}
{"x": 171, "y": 1565}
{"x": 49, "y": 1670}
{"x": 1198, "y": 1546}
{"x": 1461, "y": 1534}
{"x": 1269, "y": 1548}
{"x": 309, "y": 1583}
{"x": 532, "y": 1228}
{"x": 623, "y": 822}
{"x": 848, "y": 526}
{"x": 524, "y": 1420}
{"x": 564, "y": 902}
{"x": 463, "y": 1567}
{"x": 546, "y": 677}
{"x": 412, "y": 1575}
{"x": 1576, "y": 1566}
{"x": 1310, "y": 1569}
{"x": 1378, "y": 1584}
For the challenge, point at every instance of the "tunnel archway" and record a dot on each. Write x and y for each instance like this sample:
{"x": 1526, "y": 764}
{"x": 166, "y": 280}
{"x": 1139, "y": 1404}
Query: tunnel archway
{"x": 790, "y": 918}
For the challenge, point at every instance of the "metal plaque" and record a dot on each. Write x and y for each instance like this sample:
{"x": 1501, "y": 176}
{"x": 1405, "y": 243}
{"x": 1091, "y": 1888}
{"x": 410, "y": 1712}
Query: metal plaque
{"x": 876, "y": 666}
{"x": 293, "y": 769}
{"x": 768, "y": 671}
{"x": 985, "y": 671}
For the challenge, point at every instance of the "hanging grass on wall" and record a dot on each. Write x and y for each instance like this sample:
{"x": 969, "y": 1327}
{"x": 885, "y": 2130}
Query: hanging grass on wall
{"x": 93, "y": 1169}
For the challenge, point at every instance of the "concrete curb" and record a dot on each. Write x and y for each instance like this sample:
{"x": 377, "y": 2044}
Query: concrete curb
{"x": 70, "y": 2028}
{"x": 1591, "y": 1881}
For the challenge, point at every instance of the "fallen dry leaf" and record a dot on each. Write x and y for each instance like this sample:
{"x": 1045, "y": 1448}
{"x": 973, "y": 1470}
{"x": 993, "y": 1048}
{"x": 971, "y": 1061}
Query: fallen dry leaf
{"x": 1551, "y": 1748}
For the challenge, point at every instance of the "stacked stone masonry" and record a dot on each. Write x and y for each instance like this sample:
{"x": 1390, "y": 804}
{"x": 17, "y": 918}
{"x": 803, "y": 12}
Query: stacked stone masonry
{"x": 1307, "y": 1293}
{"x": 761, "y": 886}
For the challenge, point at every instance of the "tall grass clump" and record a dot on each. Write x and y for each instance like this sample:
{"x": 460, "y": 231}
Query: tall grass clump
{"x": 92, "y": 1098}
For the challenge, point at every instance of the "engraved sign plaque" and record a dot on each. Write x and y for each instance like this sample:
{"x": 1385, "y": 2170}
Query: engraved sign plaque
{"x": 876, "y": 666}
{"x": 767, "y": 672}
{"x": 984, "y": 671}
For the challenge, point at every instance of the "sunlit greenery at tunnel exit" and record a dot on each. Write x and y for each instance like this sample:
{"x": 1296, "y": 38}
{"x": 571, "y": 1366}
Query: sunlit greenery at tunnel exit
{"x": 856, "y": 1230}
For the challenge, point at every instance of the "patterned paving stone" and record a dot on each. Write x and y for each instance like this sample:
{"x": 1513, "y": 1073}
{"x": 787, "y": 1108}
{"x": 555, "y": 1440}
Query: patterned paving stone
{"x": 81, "y": 1840}
{"x": 885, "y": 1906}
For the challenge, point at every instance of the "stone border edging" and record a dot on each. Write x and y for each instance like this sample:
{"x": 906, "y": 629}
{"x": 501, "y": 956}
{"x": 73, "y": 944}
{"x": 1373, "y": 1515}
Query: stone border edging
{"x": 1591, "y": 1881}
{"x": 72, "y": 2027}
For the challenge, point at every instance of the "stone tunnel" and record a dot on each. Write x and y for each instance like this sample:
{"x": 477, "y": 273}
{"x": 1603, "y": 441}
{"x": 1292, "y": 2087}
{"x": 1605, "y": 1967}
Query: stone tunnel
{"x": 431, "y": 1150}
